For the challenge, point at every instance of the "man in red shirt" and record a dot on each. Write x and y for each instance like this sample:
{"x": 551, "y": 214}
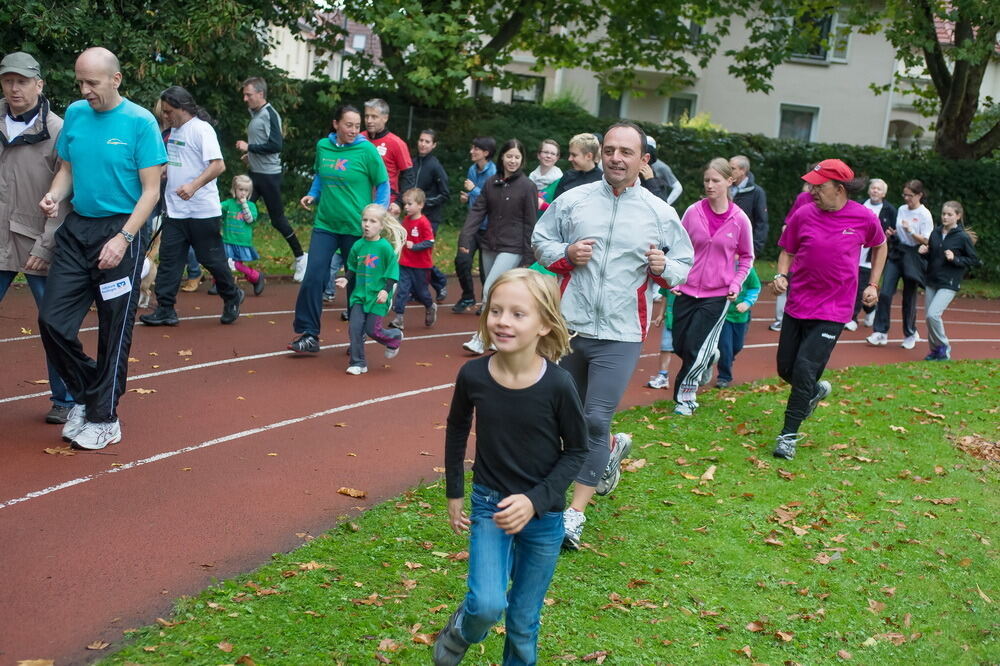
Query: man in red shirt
{"x": 393, "y": 149}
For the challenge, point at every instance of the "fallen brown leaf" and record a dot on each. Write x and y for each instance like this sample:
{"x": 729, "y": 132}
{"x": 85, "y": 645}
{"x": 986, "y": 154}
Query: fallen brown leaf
{"x": 246, "y": 660}
{"x": 184, "y": 352}
{"x": 351, "y": 492}
{"x": 60, "y": 451}
{"x": 142, "y": 391}
{"x": 755, "y": 626}
{"x": 844, "y": 654}
{"x": 784, "y": 636}
{"x": 598, "y": 656}
{"x": 38, "y": 381}
{"x": 224, "y": 646}
{"x": 423, "y": 639}
{"x": 98, "y": 645}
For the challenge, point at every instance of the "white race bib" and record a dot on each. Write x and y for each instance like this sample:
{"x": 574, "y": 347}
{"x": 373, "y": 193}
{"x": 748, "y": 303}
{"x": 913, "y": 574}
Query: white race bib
{"x": 116, "y": 288}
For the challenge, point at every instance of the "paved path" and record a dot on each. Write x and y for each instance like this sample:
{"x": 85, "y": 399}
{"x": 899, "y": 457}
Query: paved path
{"x": 239, "y": 450}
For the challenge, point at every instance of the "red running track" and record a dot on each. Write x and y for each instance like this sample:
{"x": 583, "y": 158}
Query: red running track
{"x": 240, "y": 450}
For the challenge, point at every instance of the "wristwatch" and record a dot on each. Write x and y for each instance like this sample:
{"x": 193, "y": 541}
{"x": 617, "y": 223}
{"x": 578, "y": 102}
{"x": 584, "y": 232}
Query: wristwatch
{"x": 779, "y": 275}
{"x": 129, "y": 237}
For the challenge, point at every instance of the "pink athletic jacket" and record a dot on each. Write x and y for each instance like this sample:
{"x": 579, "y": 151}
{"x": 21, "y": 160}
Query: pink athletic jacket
{"x": 715, "y": 271}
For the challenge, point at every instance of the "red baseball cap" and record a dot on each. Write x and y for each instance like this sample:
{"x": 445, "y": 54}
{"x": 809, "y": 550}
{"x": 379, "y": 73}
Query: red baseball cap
{"x": 829, "y": 170}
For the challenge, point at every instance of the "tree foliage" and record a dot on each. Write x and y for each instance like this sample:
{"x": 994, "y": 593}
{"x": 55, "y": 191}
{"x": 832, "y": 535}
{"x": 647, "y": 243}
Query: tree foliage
{"x": 956, "y": 70}
{"x": 209, "y": 48}
{"x": 430, "y": 48}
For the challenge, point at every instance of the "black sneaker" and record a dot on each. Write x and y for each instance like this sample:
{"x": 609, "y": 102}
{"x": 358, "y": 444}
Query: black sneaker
{"x": 231, "y": 310}
{"x": 305, "y": 344}
{"x": 258, "y": 286}
{"x": 58, "y": 414}
{"x": 344, "y": 316}
{"x": 161, "y": 316}
{"x": 213, "y": 290}
{"x": 441, "y": 295}
{"x": 449, "y": 646}
{"x": 463, "y": 305}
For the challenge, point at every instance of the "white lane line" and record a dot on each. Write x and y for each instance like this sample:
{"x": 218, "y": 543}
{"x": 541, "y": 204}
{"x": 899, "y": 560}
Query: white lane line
{"x": 220, "y": 440}
{"x": 766, "y": 345}
{"x": 239, "y": 359}
{"x": 247, "y": 315}
{"x": 191, "y": 318}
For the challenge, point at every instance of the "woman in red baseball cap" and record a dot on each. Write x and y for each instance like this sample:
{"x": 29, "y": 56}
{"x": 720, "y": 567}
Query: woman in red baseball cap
{"x": 818, "y": 267}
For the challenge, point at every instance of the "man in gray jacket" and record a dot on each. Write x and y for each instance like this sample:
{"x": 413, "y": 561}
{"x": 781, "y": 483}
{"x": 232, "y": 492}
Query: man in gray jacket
{"x": 752, "y": 198}
{"x": 28, "y": 160}
{"x": 262, "y": 153}
{"x": 612, "y": 244}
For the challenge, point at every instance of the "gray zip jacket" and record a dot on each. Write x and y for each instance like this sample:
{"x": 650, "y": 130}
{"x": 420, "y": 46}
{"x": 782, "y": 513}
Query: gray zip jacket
{"x": 264, "y": 140}
{"x": 611, "y": 296}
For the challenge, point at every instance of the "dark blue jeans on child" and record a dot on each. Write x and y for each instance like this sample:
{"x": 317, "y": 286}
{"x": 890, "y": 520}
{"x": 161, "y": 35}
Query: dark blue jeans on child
{"x": 524, "y": 562}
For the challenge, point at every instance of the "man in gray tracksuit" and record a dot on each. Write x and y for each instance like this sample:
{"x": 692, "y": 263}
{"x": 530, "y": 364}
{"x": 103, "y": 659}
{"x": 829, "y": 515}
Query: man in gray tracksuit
{"x": 611, "y": 244}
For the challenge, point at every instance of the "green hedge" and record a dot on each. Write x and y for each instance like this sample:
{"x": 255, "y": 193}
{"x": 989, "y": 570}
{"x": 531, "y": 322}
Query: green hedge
{"x": 776, "y": 164}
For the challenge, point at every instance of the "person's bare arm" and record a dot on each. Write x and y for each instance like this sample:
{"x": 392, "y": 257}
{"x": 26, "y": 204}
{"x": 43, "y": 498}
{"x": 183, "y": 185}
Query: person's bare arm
{"x": 214, "y": 169}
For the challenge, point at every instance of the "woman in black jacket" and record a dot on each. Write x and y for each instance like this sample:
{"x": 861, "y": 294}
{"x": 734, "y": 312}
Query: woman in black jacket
{"x": 949, "y": 252}
{"x": 428, "y": 174}
{"x": 510, "y": 202}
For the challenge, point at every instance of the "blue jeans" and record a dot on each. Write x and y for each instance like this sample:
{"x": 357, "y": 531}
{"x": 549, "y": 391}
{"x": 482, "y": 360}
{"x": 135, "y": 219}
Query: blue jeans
{"x": 60, "y": 394}
{"x": 730, "y": 344}
{"x": 525, "y": 561}
{"x": 193, "y": 267}
{"x": 309, "y": 305}
{"x": 331, "y": 288}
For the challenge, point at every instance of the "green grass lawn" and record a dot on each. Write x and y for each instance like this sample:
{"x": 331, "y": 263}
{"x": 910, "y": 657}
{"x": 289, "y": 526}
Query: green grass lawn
{"x": 876, "y": 544}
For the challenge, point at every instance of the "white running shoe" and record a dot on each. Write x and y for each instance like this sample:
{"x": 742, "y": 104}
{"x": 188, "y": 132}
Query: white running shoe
{"x": 475, "y": 345}
{"x": 75, "y": 420}
{"x": 300, "y": 267}
{"x": 95, "y": 436}
{"x": 659, "y": 381}
{"x": 851, "y": 325}
{"x": 391, "y": 352}
{"x": 573, "y": 521}
{"x": 877, "y": 339}
{"x": 910, "y": 341}
{"x": 357, "y": 370}
{"x": 869, "y": 319}
{"x": 613, "y": 472}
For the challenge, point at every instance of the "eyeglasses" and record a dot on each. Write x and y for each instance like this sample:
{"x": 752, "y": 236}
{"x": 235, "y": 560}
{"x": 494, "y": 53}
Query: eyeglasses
{"x": 548, "y": 153}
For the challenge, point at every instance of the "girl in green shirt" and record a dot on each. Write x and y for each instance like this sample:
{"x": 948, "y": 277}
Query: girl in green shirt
{"x": 372, "y": 269}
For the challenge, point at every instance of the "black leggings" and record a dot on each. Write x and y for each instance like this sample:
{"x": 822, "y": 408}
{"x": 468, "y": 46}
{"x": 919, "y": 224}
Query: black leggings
{"x": 697, "y": 326}
{"x": 804, "y": 349}
{"x": 267, "y": 186}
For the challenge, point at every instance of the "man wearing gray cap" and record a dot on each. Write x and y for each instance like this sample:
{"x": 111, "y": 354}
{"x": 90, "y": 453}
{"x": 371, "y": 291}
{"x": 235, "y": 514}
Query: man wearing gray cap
{"x": 28, "y": 159}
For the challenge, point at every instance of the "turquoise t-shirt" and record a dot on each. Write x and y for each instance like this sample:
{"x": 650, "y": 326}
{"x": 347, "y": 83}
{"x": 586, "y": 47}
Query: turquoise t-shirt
{"x": 106, "y": 150}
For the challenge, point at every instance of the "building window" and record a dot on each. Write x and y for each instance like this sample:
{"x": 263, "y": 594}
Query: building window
{"x": 358, "y": 43}
{"x": 821, "y": 39}
{"x": 798, "y": 122}
{"x": 608, "y": 106}
{"x": 680, "y": 107}
{"x": 480, "y": 89}
{"x": 533, "y": 93}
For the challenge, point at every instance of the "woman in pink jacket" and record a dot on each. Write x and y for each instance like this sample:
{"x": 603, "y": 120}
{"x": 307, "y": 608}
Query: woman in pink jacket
{"x": 723, "y": 254}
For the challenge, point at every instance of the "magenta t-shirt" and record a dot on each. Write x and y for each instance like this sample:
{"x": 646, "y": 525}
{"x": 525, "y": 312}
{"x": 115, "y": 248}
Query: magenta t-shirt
{"x": 826, "y": 245}
{"x": 715, "y": 220}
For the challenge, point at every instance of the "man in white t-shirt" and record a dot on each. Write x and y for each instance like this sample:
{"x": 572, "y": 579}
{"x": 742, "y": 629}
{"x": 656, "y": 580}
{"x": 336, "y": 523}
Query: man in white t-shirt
{"x": 194, "y": 213}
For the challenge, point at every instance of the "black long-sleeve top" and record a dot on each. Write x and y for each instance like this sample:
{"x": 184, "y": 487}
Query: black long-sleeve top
{"x": 944, "y": 274}
{"x": 531, "y": 441}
